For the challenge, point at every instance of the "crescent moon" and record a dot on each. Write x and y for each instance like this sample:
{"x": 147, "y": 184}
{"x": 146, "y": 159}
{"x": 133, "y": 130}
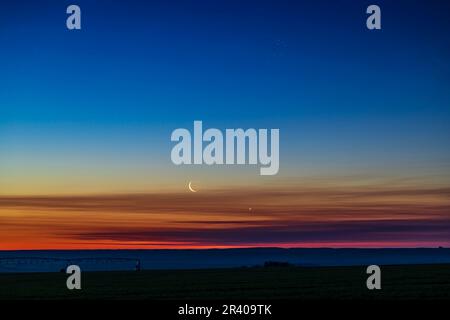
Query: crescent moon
{"x": 190, "y": 187}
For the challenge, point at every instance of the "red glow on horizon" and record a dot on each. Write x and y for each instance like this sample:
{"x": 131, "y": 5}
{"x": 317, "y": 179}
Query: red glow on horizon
{"x": 147, "y": 246}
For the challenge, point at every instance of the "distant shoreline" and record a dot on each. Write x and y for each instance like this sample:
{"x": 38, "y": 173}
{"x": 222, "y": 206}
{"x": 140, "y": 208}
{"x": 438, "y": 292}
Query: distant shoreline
{"x": 169, "y": 259}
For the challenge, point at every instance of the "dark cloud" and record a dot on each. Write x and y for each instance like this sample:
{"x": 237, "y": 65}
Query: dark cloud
{"x": 222, "y": 217}
{"x": 290, "y": 232}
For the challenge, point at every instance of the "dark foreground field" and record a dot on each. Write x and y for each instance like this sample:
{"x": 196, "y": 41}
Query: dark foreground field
{"x": 398, "y": 282}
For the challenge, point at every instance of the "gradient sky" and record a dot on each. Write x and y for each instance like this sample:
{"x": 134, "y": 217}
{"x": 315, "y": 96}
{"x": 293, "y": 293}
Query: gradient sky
{"x": 86, "y": 117}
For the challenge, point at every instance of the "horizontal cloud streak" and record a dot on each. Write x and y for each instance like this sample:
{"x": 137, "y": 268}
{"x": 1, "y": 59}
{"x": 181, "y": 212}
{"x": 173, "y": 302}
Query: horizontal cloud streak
{"x": 289, "y": 215}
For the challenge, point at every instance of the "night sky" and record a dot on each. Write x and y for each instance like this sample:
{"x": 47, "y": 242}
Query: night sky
{"x": 86, "y": 118}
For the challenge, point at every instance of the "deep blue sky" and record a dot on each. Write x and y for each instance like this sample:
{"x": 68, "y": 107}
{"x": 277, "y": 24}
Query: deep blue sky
{"x": 109, "y": 95}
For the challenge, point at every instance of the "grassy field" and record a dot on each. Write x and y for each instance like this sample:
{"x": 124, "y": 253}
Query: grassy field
{"x": 398, "y": 282}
